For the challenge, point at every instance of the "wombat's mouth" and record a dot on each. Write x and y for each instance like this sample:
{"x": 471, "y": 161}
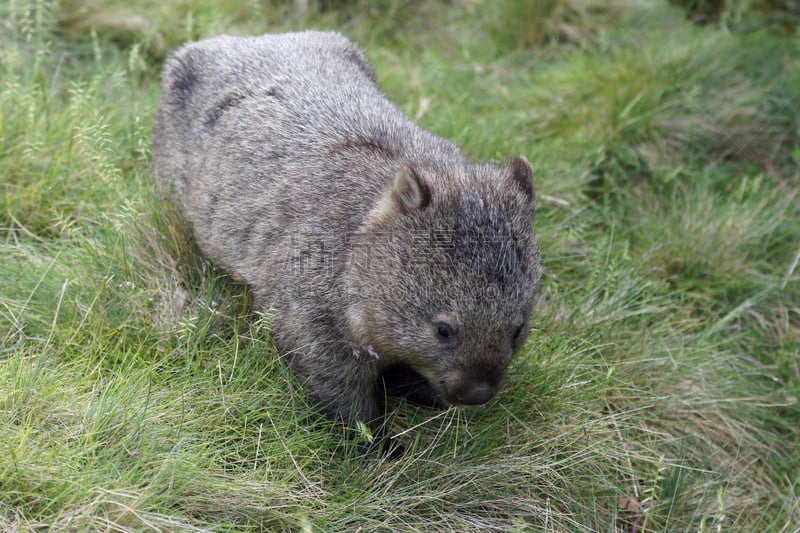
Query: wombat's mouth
{"x": 405, "y": 382}
{"x": 453, "y": 388}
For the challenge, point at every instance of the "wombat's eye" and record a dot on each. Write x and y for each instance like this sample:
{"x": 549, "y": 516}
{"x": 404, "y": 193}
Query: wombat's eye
{"x": 444, "y": 331}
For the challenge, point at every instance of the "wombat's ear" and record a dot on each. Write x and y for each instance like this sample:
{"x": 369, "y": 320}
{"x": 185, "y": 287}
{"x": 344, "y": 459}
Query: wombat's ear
{"x": 522, "y": 176}
{"x": 409, "y": 191}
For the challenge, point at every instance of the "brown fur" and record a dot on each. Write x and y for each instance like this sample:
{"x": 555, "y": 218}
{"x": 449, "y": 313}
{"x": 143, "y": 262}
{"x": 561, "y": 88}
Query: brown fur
{"x": 388, "y": 258}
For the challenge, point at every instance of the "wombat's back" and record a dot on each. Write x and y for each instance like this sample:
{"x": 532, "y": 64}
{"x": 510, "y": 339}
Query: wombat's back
{"x": 264, "y": 140}
{"x": 278, "y": 96}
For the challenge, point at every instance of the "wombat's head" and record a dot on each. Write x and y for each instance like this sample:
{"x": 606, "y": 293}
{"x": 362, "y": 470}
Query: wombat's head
{"x": 443, "y": 275}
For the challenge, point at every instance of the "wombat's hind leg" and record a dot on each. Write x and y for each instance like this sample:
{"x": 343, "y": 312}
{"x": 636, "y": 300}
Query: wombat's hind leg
{"x": 404, "y": 382}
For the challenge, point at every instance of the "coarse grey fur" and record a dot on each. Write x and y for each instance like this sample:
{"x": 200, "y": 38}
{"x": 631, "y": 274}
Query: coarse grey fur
{"x": 393, "y": 265}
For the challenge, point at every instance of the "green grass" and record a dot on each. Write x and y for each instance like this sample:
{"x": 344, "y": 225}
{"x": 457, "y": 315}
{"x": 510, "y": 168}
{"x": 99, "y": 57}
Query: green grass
{"x": 658, "y": 390}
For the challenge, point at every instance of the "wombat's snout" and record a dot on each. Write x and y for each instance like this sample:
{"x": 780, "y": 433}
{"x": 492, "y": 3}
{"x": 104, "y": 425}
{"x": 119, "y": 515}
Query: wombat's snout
{"x": 478, "y": 395}
{"x": 466, "y": 389}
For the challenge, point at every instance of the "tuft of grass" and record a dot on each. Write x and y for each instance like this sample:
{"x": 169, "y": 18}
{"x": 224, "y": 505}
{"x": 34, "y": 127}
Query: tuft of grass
{"x": 659, "y": 388}
{"x": 520, "y": 25}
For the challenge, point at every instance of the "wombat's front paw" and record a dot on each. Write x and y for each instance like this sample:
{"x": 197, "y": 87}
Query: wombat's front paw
{"x": 392, "y": 449}
{"x": 388, "y": 447}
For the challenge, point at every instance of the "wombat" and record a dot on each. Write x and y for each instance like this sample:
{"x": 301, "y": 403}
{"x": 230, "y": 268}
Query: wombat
{"x": 392, "y": 264}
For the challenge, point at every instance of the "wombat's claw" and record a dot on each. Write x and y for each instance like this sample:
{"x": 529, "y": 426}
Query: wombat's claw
{"x": 388, "y": 447}
{"x": 392, "y": 449}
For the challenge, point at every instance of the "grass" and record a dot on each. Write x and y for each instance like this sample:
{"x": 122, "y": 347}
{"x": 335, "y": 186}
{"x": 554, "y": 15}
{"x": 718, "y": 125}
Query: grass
{"x": 658, "y": 390}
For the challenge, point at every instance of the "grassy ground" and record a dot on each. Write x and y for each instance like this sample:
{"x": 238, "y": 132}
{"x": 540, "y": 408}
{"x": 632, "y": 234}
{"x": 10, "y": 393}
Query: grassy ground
{"x": 658, "y": 391}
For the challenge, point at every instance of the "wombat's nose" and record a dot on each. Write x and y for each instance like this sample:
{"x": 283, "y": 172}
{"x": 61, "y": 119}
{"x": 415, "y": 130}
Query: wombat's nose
{"x": 478, "y": 395}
